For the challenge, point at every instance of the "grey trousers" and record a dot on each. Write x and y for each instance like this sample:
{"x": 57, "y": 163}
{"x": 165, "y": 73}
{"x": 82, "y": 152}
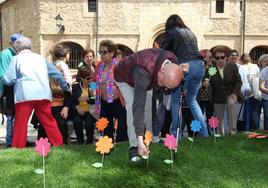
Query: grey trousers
{"x": 231, "y": 116}
{"x": 128, "y": 94}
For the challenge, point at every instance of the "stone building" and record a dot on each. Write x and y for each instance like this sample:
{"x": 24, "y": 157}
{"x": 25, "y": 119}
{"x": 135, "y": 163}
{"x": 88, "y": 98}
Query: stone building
{"x": 134, "y": 24}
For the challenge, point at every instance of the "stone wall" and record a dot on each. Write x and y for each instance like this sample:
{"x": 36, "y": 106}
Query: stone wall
{"x": 21, "y": 16}
{"x": 134, "y": 23}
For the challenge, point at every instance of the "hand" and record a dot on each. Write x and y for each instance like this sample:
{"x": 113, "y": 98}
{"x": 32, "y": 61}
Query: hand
{"x": 185, "y": 67}
{"x": 206, "y": 82}
{"x": 64, "y": 112}
{"x": 234, "y": 97}
{"x": 80, "y": 111}
{"x": 142, "y": 149}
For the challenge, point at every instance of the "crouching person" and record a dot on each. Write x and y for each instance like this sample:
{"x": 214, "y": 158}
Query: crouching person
{"x": 29, "y": 73}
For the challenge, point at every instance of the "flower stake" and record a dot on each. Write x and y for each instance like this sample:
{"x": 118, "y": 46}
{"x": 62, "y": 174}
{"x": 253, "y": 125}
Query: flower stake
{"x": 148, "y": 137}
{"x": 171, "y": 143}
{"x": 101, "y": 124}
{"x": 104, "y": 145}
{"x": 213, "y": 123}
{"x": 93, "y": 87}
{"x": 195, "y": 127}
{"x": 42, "y": 148}
{"x": 115, "y": 129}
{"x": 211, "y": 71}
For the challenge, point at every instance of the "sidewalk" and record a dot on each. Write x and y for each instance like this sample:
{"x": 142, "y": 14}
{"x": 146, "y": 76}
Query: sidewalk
{"x": 32, "y": 133}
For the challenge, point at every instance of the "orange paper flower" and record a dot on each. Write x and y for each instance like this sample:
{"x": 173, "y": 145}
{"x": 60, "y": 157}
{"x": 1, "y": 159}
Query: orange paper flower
{"x": 252, "y": 135}
{"x": 115, "y": 124}
{"x": 101, "y": 124}
{"x": 104, "y": 145}
{"x": 148, "y": 137}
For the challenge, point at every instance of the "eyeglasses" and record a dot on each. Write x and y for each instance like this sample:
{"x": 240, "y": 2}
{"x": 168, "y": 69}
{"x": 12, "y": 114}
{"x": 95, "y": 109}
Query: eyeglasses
{"x": 102, "y": 52}
{"x": 88, "y": 78}
{"x": 220, "y": 57}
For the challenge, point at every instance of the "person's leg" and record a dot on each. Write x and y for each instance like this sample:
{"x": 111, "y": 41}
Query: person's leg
{"x": 192, "y": 84}
{"x": 209, "y": 110}
{"x": 78, "y": 128}
{"x": 175, "y": 105}
{"x": 22, "y": 115}
{"x": 254, "y": 116}
{"x": 89, "y": 126}
{"x": 167, "y": 123}
{"x": 219, "y": 112}
{"x": 62, "y": 123}
{"x": 43, "y": 113}
{"x": 148, "y": 111}
{"x": 107, "y": 112}
{"x": 265, "y": 113}
{"x": 128, "y": 94}
{"x": 9, "y": 131}
{"x": 120, "y": 115}
{"x": 231, "y": 115}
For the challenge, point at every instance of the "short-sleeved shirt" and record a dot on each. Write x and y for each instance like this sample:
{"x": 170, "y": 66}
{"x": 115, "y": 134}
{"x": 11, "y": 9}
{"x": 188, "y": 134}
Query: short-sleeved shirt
{"x": 264, "y": 76}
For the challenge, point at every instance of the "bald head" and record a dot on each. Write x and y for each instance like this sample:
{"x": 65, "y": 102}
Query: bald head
{"x": 170, "y": 75}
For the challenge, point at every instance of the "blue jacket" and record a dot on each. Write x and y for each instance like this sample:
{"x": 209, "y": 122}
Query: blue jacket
{"x": 29, "y": 72}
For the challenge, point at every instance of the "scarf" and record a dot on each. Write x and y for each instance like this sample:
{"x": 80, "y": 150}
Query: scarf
{"x": 109, "y": 84}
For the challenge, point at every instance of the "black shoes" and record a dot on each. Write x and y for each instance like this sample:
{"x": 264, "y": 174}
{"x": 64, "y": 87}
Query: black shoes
{"x": 133, "y": 154}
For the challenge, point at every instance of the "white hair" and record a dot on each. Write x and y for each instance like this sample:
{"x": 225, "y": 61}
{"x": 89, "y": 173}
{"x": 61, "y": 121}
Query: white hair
{"x": 23, "y": 44}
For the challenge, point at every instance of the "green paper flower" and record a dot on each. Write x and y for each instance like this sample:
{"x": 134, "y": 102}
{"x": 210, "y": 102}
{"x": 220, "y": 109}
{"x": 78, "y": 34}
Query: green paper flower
{"x": 212, "y": 71}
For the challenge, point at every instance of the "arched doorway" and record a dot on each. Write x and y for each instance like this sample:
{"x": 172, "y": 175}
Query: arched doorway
{"x": 223, "y": 47}
{"x": 257, "y": 51}
{"x": 124, "y": 50}
{"x": 76, "y": 54}
{"x": 159, "y": 40}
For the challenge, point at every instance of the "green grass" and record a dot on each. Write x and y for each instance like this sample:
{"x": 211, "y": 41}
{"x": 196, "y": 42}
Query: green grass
{"x": 231, "y": 162}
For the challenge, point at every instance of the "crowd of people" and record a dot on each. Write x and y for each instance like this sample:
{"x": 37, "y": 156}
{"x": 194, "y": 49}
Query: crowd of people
{"x": 176, "y": 73}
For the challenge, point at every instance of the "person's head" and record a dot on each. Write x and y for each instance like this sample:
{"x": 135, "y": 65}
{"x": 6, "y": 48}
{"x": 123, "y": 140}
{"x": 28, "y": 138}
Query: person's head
{"x": 85, "y": 74}
{"x": 174, "y": 21}
{"x": 263, "y": 60}
{"x": 169, "y": 75}
{"x": 14, "y": 37}
{"x": 232, "y": 56}
{"x": 219, "y": 56}
{"x": 207, "y": 56}
{"x": 88, "y": 56}
{"x": 107, "y": 50}
{"x": 22, "y": 43}
{"x": 61, "y": 52}
{"x": 245, "y": 59}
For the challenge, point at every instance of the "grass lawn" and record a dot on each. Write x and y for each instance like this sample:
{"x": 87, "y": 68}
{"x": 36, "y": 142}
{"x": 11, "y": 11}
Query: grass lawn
{"x": 231, "y": 162}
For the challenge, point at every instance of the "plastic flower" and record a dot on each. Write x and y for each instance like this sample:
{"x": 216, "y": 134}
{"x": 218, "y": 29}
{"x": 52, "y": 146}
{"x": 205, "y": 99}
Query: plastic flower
{"x": 101, "y": 124}
{"x": 42, "y": 147}
{"x": 148, "y": 137}
{"x": 195, "y": 126}
{"x": 170, "y": 142}
{"x": 104, "y": 145}
{"x": 93, "y": 86}
{"x": 212, "y": 71}
{"x": 213, "y": 122}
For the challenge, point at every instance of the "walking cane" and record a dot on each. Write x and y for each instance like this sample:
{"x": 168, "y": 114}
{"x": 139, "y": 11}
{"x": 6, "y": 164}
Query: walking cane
{"x": 179, "y": 127}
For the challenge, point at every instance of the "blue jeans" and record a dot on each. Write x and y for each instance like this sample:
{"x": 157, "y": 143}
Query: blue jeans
{"x": 10, "y": 130}
{"x": 252, "y": 111}
{"x": 192, "y": 83}
{"x": 265, "y": 112}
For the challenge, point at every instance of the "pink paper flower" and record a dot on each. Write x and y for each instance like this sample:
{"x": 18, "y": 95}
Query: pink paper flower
{"x": 213, "y": 122}
{"x": 170, "y": 142}
{"x": 40, "y": 144}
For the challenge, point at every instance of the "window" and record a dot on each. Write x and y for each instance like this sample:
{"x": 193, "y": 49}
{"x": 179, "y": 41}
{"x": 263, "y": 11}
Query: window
{"x": 219, "y": 6}
{"x": 92, "y": 5}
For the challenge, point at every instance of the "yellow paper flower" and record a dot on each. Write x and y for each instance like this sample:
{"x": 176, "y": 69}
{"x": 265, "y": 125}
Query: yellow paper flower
{"x": 101, "y": 124}
{"x": 104, "y": 145}
{"x": 148, "y": 137}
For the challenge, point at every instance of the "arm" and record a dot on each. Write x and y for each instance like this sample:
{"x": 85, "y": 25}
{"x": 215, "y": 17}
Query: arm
{"x": 142, "y": 80}
{"x": 10, "y": 76}
{"x": 53, "y": 72}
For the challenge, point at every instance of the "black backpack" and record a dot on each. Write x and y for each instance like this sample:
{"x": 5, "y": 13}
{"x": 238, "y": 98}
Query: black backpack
{"x": 7, "y": 105}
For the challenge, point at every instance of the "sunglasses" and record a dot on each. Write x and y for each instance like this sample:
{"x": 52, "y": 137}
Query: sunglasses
{"x": 220, "y": 57}
{"x": 88, "y": 78}
{"x": 102, "y": 52}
